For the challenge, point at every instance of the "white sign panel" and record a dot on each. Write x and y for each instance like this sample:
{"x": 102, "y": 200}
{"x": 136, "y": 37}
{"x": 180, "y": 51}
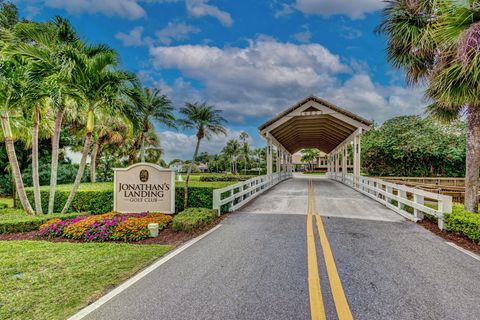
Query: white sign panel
{"x": 144, "y": 187}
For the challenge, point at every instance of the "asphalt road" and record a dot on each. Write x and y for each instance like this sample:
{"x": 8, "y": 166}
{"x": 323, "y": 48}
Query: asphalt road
{"x": 255, "y": 265}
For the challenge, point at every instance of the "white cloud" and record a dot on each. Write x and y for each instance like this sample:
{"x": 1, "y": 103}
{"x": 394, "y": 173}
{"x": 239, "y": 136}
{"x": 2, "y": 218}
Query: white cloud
{"x": 133, "y": 38}
{"x": 180, "y": 145}
{"x": 268, "y": 76}
{"x": 303, "y": 36}
{"x": 255, "y": 80}
{"x": 354, "y": 9}
{"x": 129, "y": 9}
{"x": 175, "y": 31}
{"x": 201, "y": 8}
{"x": 361, "y": 95}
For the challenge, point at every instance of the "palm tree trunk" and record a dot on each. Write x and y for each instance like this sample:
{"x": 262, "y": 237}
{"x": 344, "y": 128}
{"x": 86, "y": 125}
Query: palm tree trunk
{"x": 12, "y": 157}
{"x": 81, "y": 170}
{"x": 54, "y": 164}
{"x": 35, "y": 178}
{"x": 187, "y": 179}
{"x": 93, "y": 161}
{"x": 142, "y": 147}
{"x": 472, "y": 173}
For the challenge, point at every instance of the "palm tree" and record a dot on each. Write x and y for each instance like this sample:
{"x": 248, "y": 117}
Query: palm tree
{"x": 110, "y": 132}
{"x": 232, "y": 150}
{"x": 245, "y": 150}
{"x": 104, "y": 89}
{"x": 50, "y": 50}
{"x": 309, "y": 156}
{"x": 437, "y": 43}
{"x": 153, "y": 106}
{"x": 207, "y": 121}
{"x": 11, "y": 75}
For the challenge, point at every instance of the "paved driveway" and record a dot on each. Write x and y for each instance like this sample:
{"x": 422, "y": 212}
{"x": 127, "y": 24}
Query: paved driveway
{"x": 255, "y": 265}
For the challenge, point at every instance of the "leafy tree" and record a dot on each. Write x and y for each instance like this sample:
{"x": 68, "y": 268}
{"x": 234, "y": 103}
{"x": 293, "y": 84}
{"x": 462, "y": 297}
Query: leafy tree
{"x": 206, "y": 121}
{"x": 414, "y": 146}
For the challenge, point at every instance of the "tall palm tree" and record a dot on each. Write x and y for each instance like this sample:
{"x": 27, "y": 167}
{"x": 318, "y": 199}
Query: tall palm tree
{"x": 11, "y": 75}
{"x": 437, "y": 43}
{"x": 104, "y": 89}
{"x": 207, "y": 121}
{"x": 50, "y": 49}
{"x": 153, "y": 106}
{"x": 232, "y": 150}
{"x": 245, "y": 150}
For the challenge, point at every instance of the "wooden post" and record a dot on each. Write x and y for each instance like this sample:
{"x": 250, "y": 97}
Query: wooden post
{"x": 269, "y": 157}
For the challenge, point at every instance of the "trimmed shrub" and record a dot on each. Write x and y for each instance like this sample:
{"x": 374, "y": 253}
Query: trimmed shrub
{"x": 193, "y": 218}
{"x": 226, "y": 178}
{"x": 464, "y": 223}
{"x": 3, "y": 206}
{"x": 98, "y": 197}
{"x": 30, "y": 223}
{"x": 95, "y": 200}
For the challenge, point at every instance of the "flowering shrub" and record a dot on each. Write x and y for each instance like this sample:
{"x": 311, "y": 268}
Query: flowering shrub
{"x": 77, "y": 230}
{"x": 55, "y": 227}
{"x": 134, "y": 229}
{"x": 104, "y": 227}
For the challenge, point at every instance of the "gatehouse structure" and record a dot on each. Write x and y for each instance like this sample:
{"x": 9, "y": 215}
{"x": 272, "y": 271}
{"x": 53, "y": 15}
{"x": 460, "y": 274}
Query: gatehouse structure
{"x": 315, "y": 123}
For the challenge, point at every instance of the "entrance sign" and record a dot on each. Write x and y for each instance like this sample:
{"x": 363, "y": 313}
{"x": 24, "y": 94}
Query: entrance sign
{"x": 144, "y": 187}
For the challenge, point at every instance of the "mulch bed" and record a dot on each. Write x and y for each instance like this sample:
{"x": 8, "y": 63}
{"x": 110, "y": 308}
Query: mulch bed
{"x": 459, "y": 240}
{"x": 166, "y": 237}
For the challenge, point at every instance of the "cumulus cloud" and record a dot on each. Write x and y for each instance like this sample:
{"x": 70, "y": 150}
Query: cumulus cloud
{"x": 303, "y": 36}
{"x": 268, "y": 76}
{"x": 129, "y": 9}
{"x": 201, "y": 8}
{"x": 175, "y": 31}
{"x": 326, "y": 8}
{"x": 253, "y": 80}
{"x": 133, "y": 38}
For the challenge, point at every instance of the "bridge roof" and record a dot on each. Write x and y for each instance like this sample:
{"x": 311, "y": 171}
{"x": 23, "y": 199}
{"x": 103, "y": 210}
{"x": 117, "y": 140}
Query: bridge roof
{"x": 313, "y": 123}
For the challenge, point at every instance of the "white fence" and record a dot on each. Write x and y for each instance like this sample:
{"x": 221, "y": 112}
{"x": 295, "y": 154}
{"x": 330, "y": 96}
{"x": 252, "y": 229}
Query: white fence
{"x": 239, "y": 194}
{"x": 408, "y": 202}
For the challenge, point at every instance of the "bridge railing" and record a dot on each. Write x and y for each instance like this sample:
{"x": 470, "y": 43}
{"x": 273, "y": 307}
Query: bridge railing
{"x": 237, "y": 195}
{"x": 412, "y": 203}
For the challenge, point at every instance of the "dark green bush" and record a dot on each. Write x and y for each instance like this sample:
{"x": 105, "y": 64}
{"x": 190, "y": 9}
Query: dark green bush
{"x": 193, "y": 218}
{"x": 227, "y": 178}
{"x": 197, "y": 197}
{"x": 464, "y": 223}
{"x": 3, "y": 206}
{"x": 92, "y": 201}
{"x": 30, "y": 223}
{"x": 98, "y": 197}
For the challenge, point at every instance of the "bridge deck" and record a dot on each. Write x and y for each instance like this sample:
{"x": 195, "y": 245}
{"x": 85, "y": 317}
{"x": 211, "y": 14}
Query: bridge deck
{"x": 333, "y": 200}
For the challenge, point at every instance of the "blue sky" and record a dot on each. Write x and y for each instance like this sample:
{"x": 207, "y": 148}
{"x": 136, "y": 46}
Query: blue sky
{"x": 250, "y": 58}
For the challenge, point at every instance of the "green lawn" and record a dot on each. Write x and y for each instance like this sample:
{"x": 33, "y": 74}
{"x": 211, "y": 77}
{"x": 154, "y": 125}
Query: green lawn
{"x": 44, "y": 280}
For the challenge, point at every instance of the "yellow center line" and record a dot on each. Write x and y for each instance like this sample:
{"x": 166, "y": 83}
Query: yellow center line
{"x": 339, "y": 298}
{"x": 317, "y": 309}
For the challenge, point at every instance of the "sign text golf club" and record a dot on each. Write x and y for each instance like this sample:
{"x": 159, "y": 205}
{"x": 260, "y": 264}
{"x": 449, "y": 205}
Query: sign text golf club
{"x": 144, "y": 187}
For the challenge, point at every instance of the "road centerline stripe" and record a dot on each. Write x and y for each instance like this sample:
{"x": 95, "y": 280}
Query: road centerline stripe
{"x": 317, "y": 309}
{"x": 339, "y": 298}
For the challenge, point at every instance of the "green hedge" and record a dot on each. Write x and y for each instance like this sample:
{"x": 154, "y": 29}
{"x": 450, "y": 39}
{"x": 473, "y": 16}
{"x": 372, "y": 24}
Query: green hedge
{"x": 230, "y": 177}
{"x": 30, "y": 223}
{"x": 98, "y": 197}
{"x": 193, "y": 218}
{"x": 464, "y": 223}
